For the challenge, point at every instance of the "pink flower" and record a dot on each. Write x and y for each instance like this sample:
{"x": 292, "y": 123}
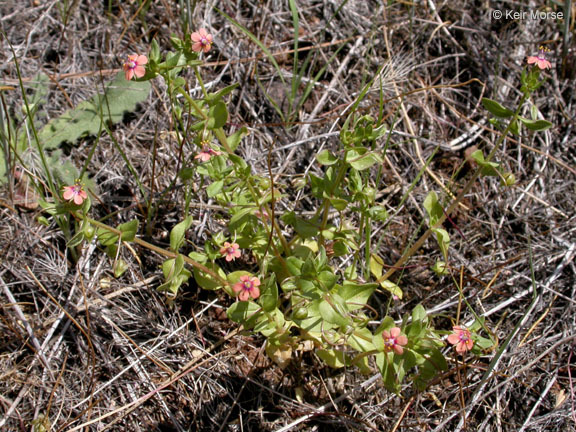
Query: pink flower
{"x": 75, "y": 193}
{"x": 462, "y": 339}
{"x": 133, "y": 67}
{"x": 202, "y": 41}
{"x": 540, "y": 59}
{"x": 394, "y": 341}
{"x": 231, "y": 251}
{"x": 247, "y": 287}
{"x": 206, "y": 153}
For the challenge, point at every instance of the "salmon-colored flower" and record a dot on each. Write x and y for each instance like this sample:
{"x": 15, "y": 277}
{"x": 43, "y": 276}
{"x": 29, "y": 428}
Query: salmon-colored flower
{"x": 206, "y": 154}
{"x": 462, "y": 339}
{"x": 247, "y": 287}
{"x": 134, "y": 66}
{"x": 75, "y": 193}
{"x": 202, "y": 41}
{"x": 540, "y": 59}
{"x": 394, "y": 341}
{"x": 231, "y": 251}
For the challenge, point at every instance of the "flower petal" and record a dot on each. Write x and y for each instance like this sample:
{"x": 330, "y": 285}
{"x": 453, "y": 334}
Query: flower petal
{"x": 454, "y": 339}
{"x": 401, "y": 340}
{"x": 139, "y": 71}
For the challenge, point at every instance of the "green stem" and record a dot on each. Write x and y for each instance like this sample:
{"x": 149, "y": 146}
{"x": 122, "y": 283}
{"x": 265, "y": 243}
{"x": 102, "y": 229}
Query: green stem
{"x": 457, "y": 200}
{"x": 162, "y": 251}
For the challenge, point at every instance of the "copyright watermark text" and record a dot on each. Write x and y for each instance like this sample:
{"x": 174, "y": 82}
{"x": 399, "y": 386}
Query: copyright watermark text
{"x": 510, "y": 14}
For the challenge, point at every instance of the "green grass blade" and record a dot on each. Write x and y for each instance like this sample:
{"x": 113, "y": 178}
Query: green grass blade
{"x": 254, "y": 39}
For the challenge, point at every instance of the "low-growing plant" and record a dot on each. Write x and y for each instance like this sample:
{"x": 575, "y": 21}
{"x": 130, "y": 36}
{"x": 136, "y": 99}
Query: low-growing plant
{"x": 293, "y": 293}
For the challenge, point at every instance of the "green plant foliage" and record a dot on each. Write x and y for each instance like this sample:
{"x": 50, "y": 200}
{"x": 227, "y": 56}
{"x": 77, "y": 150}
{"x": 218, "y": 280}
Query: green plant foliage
{"x": 280, "y": 269}
{"x": 486, "y": 168}
{"x": 536, "y": 125}
{"x": 88, "y": 117}
{"x": 496, "y": 109}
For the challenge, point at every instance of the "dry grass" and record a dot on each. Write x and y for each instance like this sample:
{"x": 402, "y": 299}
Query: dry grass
{"x": 80, "y": 350}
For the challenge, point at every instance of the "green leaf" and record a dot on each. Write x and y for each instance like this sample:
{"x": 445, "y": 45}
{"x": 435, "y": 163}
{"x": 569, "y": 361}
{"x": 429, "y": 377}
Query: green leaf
{"x": 313, "y": 322}
{"x": 440, "y": 268}
{"x": 244, "y": 312}
{"x": 326, "y": 158}
{"x": 496, "y": 109}
{"x": 174, "y": 273}
{"x": 214, "y": 188}
{"x": 385, "y": 363}
{"x": 339, "y": 204}
{"x": 173, "y": 60}
{"x": 334, "y": 312}
{"x": 75, "y": 240}
{"x": 361, "y": 340}
{"x": 378, "y": 213}
{"x": 270, "y": 324}
{"x": 87, "y": 118}
{"x": 269, "y": 294}
{"x": 119, "y": 268}
{"x": 433, "y": 208}
{"x": 235, "y": 139}
{"x": 294, "y": 265}
{"x": 106, "y": 237}
{"x": 333, "y": 358}
{"x": 419, "y": 314}
{"x": 376, "y": 265}
{"x": 207, "y": 281}
{"x": 128, "y": 230}
{"x": 154, "y": 52}
{"x": 213, "y": 98}
{"x": 356, "y": 294}
{"x": 392, "y": 288}
{"x": 178, "y": 233}
{"x": 303, "y": 227}
{"x": 515, "y": 128}
{"x": 486, "y": 168}
{"x": 443, "y": 239}
{"x": 536, "y": 125}
{"x": 172, "y": 267}
{"x": 218, "y": 116}
{"x": 239, "y": 218}
{"x": 327, "y": 280}
{"x": 360, "y": 160}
